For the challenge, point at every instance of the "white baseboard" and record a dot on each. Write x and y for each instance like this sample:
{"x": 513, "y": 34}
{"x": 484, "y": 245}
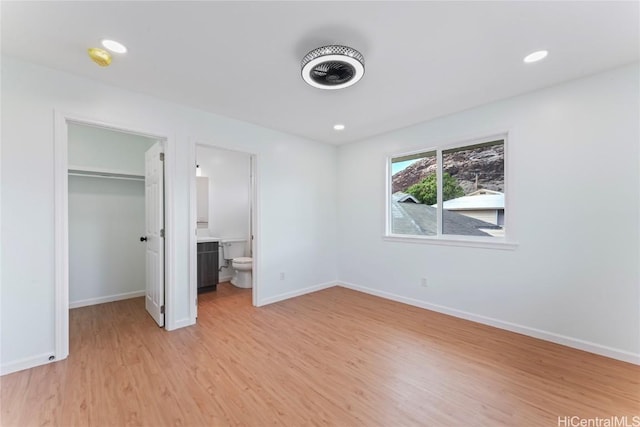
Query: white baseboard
{"x": 579, "y": 344}
{"x": 29, "y": 362}
{"x": 102, "y": 300}
{"x": 225, "y": 278}
{"x": 296, "y": 293}
{"x": 182, "y": 323}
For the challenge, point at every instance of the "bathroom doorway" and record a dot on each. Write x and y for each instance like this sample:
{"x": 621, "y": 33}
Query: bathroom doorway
{"x": 223, "y": 207}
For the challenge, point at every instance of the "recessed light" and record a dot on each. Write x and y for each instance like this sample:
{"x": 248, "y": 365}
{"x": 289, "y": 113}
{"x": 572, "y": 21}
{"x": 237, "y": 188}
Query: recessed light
{"x": 114, "y": 46}
{"x": 338, "y": 127}
{"x": 535, "y": 56}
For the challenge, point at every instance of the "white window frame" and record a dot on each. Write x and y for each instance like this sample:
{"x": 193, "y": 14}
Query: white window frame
{"x": 504, "y": 243}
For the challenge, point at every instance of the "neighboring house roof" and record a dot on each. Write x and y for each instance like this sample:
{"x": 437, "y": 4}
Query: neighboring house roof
{"x": 420, "y": 219}
{"x": 475, "y": 202}
{"x": 404, "y": 198}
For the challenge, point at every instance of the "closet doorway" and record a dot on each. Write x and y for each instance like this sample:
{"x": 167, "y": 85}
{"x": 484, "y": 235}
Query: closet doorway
{"x": 116, "y": 218}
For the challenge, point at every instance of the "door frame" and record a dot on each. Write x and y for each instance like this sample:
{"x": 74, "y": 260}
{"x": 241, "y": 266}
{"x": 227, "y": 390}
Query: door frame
{"x": 193, "y": 224}
{"x": 61, "y": 220}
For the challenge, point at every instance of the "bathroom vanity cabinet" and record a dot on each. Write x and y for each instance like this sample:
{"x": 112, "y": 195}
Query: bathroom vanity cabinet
{"x": 207, "y": 266}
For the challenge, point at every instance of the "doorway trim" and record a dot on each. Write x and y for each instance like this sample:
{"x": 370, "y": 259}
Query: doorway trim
{"x": 193, "y": 224}
{"x": 61, "y": 220}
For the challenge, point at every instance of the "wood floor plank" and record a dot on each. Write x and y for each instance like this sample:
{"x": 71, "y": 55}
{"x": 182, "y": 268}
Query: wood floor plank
{"x": 335, "y": 357}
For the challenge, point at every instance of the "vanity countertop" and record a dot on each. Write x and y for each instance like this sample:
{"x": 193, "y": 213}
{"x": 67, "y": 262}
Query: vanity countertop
{"x": 207, "y": 239}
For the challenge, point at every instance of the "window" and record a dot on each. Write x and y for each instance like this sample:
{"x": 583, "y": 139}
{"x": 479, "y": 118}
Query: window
{"x": 454, "y": 191}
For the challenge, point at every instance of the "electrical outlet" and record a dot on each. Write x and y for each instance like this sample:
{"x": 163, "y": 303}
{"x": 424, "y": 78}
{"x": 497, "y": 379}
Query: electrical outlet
{"x": 423, "y": 282}
{"x": 282, "y": 275}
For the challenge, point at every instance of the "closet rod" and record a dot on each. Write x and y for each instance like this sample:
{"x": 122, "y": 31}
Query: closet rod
{"x": 106, "y": 175}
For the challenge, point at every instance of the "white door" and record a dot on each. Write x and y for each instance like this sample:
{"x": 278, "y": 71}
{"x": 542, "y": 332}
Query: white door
{"x": 154, "y": 235}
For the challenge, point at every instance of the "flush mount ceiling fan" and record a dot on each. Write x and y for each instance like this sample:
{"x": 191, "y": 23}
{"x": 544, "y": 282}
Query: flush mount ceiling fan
{"x": 333, "y": 67}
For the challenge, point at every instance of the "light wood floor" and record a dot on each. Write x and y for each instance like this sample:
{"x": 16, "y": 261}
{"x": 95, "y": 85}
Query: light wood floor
{"x": 335, "y": 357}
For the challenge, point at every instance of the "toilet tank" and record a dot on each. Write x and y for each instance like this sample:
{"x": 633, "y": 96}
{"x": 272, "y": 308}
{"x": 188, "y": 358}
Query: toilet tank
{"x": 233, "y": 248}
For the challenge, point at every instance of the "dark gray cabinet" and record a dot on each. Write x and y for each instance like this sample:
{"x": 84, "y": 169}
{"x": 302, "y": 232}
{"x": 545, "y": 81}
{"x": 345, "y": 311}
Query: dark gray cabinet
{"x": 207, "y": 266}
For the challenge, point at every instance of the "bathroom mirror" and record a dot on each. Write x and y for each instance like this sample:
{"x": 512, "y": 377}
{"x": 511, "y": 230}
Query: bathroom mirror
{"x": 202, "y": 197}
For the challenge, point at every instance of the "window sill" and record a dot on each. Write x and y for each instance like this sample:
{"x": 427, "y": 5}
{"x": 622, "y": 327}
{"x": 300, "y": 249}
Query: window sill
{"x": 499, "y": 244}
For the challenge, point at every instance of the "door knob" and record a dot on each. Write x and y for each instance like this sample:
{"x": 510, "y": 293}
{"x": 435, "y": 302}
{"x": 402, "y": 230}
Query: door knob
{"x": 143, "y": 239}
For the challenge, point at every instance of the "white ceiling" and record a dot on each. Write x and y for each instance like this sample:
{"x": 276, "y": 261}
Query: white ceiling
{"x": 242, "y": 59}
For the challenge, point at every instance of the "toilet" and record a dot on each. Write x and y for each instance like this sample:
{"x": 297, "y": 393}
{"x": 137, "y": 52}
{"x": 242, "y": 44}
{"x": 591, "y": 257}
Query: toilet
{"x": 233, "y": 253}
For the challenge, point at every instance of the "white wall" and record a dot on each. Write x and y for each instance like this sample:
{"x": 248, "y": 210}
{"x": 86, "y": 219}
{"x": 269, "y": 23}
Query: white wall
{"x": 573, "y": 193}
{"x": 229, "y": 177}
{"x": 298, "y": 234}
{"x": 107, "y": 149}
{"x": 106, "y": 257}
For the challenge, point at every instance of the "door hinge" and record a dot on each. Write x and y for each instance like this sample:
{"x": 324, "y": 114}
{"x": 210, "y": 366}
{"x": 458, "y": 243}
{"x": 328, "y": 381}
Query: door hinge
{"x": 162, "y": 309}
{"x": 162, "y": 233}
{"x": 162, "y": 157}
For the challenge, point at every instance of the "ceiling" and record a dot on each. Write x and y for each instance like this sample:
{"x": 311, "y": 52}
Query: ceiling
{"x": 242, "y": 59}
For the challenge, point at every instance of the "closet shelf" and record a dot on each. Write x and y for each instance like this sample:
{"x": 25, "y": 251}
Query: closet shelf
{"x": 103, "y": 173}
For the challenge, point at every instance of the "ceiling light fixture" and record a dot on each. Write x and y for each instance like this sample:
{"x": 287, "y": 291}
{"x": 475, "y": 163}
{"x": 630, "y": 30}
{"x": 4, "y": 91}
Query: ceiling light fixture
{"x": 332, "y": 67}
{"x": 114, "y": 46}
{"x": 536, "y": 56}
{"x": 338, "y": 126}
{"x": 100, "y": 56}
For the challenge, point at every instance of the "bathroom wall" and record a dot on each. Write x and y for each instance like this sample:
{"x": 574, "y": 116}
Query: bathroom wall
{"x": 229, "y": 194}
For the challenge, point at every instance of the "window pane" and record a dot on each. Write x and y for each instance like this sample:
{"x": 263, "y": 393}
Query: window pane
{"x": 473, "y": 190}
{"x": 414, "y": 191}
